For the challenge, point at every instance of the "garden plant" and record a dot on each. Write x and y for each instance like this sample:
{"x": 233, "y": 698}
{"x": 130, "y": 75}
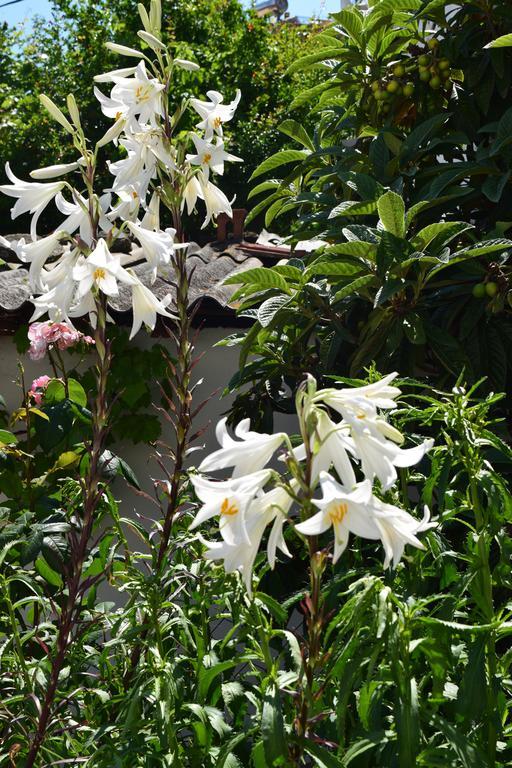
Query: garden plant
{"x": 336, "y": 593}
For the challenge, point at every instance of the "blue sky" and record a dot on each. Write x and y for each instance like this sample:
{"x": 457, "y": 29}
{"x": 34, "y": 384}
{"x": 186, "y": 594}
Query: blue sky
{"x": 27, "y": 8}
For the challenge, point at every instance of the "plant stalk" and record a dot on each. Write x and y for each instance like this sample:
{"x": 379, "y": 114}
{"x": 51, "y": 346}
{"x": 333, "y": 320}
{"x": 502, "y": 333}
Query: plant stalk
{"x": 91, "y": 496}
{"x": 485, "y": 578}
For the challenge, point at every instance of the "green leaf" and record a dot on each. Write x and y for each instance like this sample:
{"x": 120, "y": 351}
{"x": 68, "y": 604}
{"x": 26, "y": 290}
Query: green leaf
{"x": 470, "y": 703}
{"x": 293, "y": 274}
{"x": 353, "y": 287}
{"x": 66, "y": 460}
{"x": 468, "y": 754}
{"x": 76, "y": 393}
{"x": 391, "y": 250}
{"x": 351, "y": 21}
{"x": 333, "y": 269}
{"x": 305, "y": 62}
{"x": 278, "y": 159}
{"x": 391, "y": 209}
{"x": 270, "y": 308}
{"x": 505, "y": 41}
{"x": 259, "y": 207}
{"x": 408, "y": 728}
{"x": 481, "y": 249}
{"x": 312, "y": 94}
{"x": 262, "y": 277}
{"x": 58, "y": 426}
{"x": 54, "y": 392}
{"x": 353, "y": 208}
{"x": 279, "y": 207}
{"x": 272, "y": 728}
{"x": 296, "y": 131}
{"x": 414, "y": 330}
{"x": 362, "y": 746}
{"x": 367, "y": 250}
{"x": 208, "y": 674}
{"x": 494, "y": 185}
{"x": 7, "y": 438}
{"x": 48, "y": 574}
{"x": 416, "y": 138}
{"x": 322, "y": 758}
{"x": 112, "y": 466}
{"x": 265, "y": 186}
{"x": 449, "y": 229}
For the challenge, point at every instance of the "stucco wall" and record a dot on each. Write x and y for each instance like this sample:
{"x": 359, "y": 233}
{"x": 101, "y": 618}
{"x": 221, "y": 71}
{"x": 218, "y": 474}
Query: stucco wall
{"x": 216, "y": 367}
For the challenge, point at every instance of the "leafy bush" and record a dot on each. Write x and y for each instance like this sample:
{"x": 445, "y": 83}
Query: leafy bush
{"x": 384, "y": 122}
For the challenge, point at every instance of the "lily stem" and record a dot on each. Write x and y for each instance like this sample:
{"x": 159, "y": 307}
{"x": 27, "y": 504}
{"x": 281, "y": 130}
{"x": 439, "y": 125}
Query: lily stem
{"x": 70, "y": 611}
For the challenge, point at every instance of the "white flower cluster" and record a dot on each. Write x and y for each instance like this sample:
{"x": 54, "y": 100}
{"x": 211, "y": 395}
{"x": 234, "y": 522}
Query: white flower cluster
{"x": 154, "y": 165}
{"x": 363, "y": 441}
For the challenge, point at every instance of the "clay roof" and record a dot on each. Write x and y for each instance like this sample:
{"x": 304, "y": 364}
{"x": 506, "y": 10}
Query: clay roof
{"x": 210, "y": 266}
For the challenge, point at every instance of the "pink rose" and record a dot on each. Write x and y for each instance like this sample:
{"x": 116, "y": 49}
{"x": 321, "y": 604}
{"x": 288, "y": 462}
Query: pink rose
{"x": 38, "y": 388}
{"x": 42, "y": 335}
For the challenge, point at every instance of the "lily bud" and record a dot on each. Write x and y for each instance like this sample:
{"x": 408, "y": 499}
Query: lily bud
{"x": 112, "y": 133}
{"x": 56, "y": 113}
{"x": 51, "y": 171}
{"x": 144, "y": 17}
{"x": 151, "y": 40}
{"x": 73, "y": 110}
{"x": 123, "y": 50}
{"x": 191, "y": 66}
{"x": 155, "y": 14}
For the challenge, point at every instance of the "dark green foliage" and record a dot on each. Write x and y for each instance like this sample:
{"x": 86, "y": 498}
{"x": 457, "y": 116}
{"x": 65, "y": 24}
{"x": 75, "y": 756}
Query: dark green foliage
{"x": 411, "y": 203}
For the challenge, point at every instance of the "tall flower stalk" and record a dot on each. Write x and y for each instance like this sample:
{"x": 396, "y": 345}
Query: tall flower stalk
{"x": 340, "y": 458}
{"x": 69, "y": 617}
{"x": 161, "y": 163}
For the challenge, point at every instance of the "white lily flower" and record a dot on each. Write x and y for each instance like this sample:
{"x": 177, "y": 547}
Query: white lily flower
{"x": 51, "y": 171}
{"x": 380, "y": 457}
{"x": 398, "y": 528}
{"x": 146, "y": 306}
{"x": 143, "y": 149}
{"x": 86, "y": 305}
{"x": 56, "y": 302}
{"x": 36, "y": 253}
{"x": 378, "y": 394}
{"x": 361, "y": 513}
{"x": 112, "y": 133}
{"x": 77, "y": 214}
{"x": 375, "y": 440}
{"x": 240, "y": 556}
{"x": 346, "y": 511}
{"x": 190, "y": 194}
{"x": 214, "y": 112}
{"x": 108, "y": 77}
{"x": 101, "y": 270}
{"x": 229, "y": 500}
{"x": 60, "y": 271}
{"x": 331, "y": 445}
{"x": 215, "y": 201}
{"x": 33, "y": 197}
{"x": 157, "y": 246}
{"x": 110, "y": 107}
{"x": 211, "y": 156}
{"x": 249, "y": 454}
{"x": 151, "y": 218}
{"x": 139, "y": 96}
{"x": 124, "y": 50}
{"x": 129, "y": 201}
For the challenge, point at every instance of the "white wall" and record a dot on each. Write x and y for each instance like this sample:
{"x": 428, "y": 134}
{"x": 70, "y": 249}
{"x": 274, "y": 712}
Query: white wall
{"x": 216, "y": 367}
